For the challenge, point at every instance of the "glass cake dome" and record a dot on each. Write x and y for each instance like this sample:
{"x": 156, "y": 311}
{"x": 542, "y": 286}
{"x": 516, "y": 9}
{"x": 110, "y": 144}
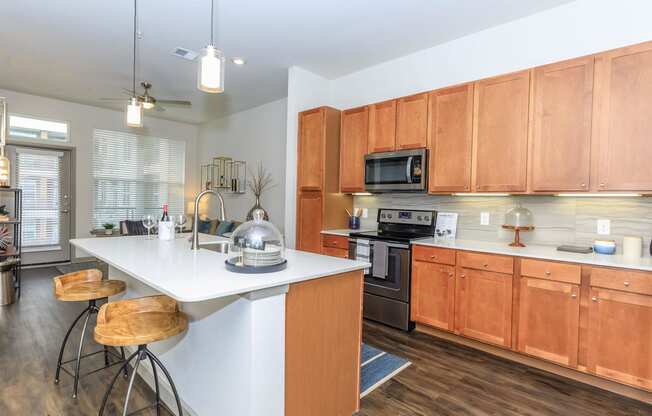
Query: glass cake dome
{"x": 256, "y": 247}
{"x": 518, "y": 217}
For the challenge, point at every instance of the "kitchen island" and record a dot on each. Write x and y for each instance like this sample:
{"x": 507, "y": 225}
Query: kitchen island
{"x": 283, "y": 343}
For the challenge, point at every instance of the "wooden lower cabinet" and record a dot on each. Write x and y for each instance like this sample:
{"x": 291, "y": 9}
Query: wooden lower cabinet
{"x": 548, "y": 325}
{"x": 433, "y": 294}
{"x": 309, "y": 221}
{"x": 484, "y": 306}
{"x": 620, "y": 336}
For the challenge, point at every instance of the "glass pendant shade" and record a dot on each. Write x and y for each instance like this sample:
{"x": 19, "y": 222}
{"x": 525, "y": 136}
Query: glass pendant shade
{"x": 211, "y": 70}
{"x": 4, "y": 170}
{"x": 134, "y": 113}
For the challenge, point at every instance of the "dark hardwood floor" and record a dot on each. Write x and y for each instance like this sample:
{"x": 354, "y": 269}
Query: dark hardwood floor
{"x": 444, "y": 379}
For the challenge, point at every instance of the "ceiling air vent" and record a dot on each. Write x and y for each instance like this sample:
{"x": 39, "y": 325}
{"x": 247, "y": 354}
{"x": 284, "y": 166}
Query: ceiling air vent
{"x": 184, "y": 53}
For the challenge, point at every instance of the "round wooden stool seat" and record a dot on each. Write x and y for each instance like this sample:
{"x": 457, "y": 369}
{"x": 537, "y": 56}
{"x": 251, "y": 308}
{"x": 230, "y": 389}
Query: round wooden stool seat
{"x": 85, "y": 285}
{"x": 139, "y": 321}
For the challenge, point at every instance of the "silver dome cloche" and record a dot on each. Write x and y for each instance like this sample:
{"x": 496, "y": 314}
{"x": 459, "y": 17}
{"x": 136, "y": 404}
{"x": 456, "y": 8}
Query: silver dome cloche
{"x": 256, "y": 246}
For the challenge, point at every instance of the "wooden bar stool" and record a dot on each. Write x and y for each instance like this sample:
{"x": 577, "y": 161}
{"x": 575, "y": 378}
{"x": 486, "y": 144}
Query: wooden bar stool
{"x": 85, "y": 285}
{"x": 138, "y": 322}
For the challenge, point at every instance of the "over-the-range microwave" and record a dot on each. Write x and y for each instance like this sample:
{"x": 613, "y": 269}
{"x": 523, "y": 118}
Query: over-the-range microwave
{"x": 402, "y": 171}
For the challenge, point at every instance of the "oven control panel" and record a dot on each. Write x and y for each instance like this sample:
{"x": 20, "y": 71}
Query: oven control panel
{"x": 395, "y": 216}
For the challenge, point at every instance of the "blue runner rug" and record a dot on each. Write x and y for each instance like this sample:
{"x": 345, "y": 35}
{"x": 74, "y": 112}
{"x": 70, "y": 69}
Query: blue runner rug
{"x": 377, "y": 368}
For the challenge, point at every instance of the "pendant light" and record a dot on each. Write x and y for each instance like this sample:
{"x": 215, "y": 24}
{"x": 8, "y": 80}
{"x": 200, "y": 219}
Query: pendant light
{"x": 4, "y": 161}
{"x": 134, "y": 107}
{"x": 210, "y": 76}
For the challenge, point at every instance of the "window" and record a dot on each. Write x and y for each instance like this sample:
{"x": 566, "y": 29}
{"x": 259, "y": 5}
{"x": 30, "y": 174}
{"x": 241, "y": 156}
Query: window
{"x": 27, "y": 128}
{"x": 135, "y": 175}
{"x": 38, "y": 174}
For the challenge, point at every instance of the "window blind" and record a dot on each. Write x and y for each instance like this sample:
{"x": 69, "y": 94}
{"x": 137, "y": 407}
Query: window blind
{"x": 38, "y": 174}
{"x": 135, "y": 175}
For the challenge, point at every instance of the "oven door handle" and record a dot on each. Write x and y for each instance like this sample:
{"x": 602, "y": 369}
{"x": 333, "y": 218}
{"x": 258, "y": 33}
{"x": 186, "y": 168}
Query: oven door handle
{"x": 392, "y": 245}
{"x": 408, "y": 169}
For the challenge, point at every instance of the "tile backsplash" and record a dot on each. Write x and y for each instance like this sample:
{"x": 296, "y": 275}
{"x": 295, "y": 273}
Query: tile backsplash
{"x": 557, "y": 220}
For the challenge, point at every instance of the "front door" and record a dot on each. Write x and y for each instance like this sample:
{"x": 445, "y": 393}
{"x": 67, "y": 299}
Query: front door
{"x": 44, "y": 175}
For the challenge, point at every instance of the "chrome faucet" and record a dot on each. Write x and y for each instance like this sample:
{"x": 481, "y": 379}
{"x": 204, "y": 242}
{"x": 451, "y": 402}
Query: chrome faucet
{"x": 222, "y": 217}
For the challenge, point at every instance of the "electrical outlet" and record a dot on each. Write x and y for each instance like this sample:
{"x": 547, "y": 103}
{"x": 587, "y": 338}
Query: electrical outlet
{"x": 604, "y": 227}
{"x": 365, "y": 212}
{"x": 484, "y": 218}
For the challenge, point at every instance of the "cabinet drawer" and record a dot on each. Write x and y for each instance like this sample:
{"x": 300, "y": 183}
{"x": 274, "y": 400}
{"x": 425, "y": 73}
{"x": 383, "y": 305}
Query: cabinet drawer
{"x": 335, "y": 252}
{"x": 559, "y": 272}
{"x": 489, "y": 262}
{"x": 335, "y": 241}
{"x": 625, "y": 280}
{"x": 434, "y": 255}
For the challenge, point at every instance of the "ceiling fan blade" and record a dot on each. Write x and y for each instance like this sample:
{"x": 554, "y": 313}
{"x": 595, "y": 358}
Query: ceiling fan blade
{"x": 181, "y": 103}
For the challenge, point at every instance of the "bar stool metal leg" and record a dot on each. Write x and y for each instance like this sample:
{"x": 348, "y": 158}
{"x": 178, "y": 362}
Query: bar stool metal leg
{"x": 158, "y": 393}
{"x": 167, "y": 375}
{"x": 115, "y": 377}
{"x": 79, "y": 351}
{"x": 141, "y": 356}
{"x": 65, "y": 340}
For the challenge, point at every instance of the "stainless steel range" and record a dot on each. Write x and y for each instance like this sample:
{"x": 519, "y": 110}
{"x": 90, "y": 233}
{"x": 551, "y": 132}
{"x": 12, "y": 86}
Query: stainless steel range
{"x": 387, "y": 282}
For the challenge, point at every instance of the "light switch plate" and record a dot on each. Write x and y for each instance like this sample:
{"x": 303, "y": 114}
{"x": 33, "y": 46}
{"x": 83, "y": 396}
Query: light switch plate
{"x": 604, "y": 227}
{"x": 365, "y": 212}
{"x": 484, "y": 218}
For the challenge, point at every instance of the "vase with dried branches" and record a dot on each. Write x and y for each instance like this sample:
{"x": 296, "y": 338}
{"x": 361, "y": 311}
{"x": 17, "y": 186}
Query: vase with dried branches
{"x": 260, "y": 181}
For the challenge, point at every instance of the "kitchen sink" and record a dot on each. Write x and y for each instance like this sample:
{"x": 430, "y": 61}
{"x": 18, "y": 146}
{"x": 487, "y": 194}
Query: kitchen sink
{"x": 221, "y": 247}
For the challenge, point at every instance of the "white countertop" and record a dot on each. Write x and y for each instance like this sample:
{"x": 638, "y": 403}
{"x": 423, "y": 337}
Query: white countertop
{"x": 172, "y": 268}
{"x": 344, "y": 232}
{"x": 542, "y": 252}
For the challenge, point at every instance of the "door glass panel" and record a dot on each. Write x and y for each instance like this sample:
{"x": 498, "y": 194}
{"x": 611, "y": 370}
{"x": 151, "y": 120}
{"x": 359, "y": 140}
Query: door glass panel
{"x": 38, "y": 174}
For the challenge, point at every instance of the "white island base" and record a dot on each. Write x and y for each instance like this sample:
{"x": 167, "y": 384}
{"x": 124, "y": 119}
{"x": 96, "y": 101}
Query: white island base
{"x": 286, "y": 349}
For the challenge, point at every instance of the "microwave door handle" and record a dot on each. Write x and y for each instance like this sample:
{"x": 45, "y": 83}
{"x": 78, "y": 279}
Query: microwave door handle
{"x": 408, "y": 170}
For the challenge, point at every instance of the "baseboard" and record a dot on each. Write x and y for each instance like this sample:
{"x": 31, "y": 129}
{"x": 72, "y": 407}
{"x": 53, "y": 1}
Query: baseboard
{"x": 576, "y": 375}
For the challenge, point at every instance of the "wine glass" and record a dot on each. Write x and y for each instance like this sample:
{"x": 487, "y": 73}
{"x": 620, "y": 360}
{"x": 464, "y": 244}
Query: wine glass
{"x": 148, "y": 222}
{"x": 180, "y": 221}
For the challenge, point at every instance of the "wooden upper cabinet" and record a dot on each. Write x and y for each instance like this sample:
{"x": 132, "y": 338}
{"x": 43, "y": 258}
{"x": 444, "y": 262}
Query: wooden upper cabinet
{"x": 450, "y": 137}
{"x": 310, "y": 160}
{"x": 620, "y": 336}
{"x": 309, "y": 221}
{"x": 548, "y": 325}
{"x": 484, "y": 306}
{"x": 561, "y": 140}
{"x": 353, "y": 147}
{"x": 382, "y": 127}
{"x": 412, "y": 122}
{"x": 433, "y": 294}
{"x": 501, "y": 133}
{"x": 624, "y": 121}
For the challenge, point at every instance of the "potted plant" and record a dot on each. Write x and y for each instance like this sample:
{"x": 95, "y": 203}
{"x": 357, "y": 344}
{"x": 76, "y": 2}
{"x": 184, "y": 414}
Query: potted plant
{"x": 108, "y": 228}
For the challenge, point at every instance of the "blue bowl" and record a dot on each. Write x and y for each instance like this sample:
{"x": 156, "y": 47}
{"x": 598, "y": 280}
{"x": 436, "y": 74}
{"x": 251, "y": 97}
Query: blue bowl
{"x": 605, "y": 247}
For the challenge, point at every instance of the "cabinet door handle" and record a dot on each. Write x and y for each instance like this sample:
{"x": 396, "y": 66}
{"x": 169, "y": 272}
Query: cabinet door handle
{"x": 594, "y": 299}
{"x": 433, "y": 257}
{"x": 486, "y": 265}
{"x": 450, "y": 274}
{"x": 462, "y": 275}
{"x": 547, "y": 272}
{"x": 583, "y": 185}
{"x": 573, "y": 295}
{"x": 626, "y": 283}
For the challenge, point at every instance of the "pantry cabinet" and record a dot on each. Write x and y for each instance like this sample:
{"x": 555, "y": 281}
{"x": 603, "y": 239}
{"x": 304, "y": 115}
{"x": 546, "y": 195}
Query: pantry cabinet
{"x": 353, "y": 141}
{"x": 320, "y": 205}
{"x": 412, "y": 122}
{"x": 561, "y": 134}
{"x": 450, "y": 137}
{"x": 382, "y": 127}
{"x": 623, "y": 125}
{"x": 500, "y": 133}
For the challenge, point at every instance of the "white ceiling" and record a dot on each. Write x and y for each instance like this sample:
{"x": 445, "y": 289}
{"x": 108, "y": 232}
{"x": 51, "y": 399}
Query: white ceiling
{"x": 80, "y": 50}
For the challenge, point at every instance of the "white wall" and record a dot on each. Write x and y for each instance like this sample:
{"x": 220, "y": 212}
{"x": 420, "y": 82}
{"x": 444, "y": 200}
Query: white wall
{"x": 305, "y": 90}
{"x": 82, "y": 120}
{"x": 255, "y": 135}
{"x": 575, "y": 29}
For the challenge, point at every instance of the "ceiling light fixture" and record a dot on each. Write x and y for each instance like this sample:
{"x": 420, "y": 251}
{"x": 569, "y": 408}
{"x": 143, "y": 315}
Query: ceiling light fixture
{"x": 238, "y": 61}
{"x": 210, "y": 77}
{"x": 134, "y": 108}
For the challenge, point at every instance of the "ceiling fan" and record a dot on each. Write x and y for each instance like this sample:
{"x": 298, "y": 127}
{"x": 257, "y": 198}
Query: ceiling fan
{"x": 148, "y": 101}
